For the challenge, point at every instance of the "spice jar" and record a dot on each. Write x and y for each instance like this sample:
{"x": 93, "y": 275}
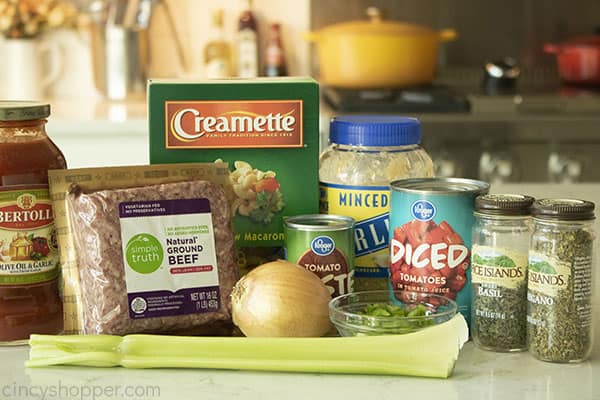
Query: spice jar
{"x": 501, "y": 233}
{"x": 29, "y": 300}
{"x": 559, "y": 308}
{"x": 365, "y": 154}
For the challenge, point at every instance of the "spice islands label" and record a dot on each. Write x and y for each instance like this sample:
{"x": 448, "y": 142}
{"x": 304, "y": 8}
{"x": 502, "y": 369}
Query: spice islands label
{"x": 547, "y": 275}
{"x": 28, "y": 251}
{"x": 501, "y": 267}
{"x": 233, "y": 124}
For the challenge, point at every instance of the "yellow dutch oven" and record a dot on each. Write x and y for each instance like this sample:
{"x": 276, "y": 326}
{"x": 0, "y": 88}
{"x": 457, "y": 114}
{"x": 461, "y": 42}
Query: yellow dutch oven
{"x": 377, "y": 53}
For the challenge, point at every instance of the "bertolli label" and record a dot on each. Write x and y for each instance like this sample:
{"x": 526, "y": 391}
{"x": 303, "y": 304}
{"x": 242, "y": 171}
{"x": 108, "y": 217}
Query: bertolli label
{"x": 28, "y": 251}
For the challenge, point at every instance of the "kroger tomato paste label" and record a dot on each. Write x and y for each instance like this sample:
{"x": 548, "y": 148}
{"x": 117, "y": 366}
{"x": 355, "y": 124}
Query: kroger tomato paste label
{"x": 28, "y": 251}
{"x": 235, "y": 124}
{"x": 323, "y": 244}
{"x": 430, "y": 238}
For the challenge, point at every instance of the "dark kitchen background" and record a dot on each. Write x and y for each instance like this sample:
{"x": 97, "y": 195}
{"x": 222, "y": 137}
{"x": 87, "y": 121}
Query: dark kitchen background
{"x": 526, "y": 126}
{"x": 486, "y": 29}
{"x": 542, "y": 131}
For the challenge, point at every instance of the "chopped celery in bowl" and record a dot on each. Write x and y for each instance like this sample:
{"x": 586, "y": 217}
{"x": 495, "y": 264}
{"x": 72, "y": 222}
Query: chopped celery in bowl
{"x": 383, "y": 312}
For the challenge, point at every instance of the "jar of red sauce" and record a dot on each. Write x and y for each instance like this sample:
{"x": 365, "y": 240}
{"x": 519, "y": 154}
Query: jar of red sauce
{"x": 29, "y": 298}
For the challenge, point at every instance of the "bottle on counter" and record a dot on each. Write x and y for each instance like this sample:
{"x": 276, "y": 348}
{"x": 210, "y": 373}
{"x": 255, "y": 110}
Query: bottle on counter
{"x": 559, "y": 280}
{"x": 29, "y": 299}
{"x": 499, "y": 258}
{"x": 247, "y": 43}
{"x": 366, "y": 153}
{"x": 217, "y": 52}
{"x": 275, "y": 64}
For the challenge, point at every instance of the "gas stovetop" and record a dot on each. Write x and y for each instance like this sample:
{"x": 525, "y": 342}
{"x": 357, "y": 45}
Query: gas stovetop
{"x": 550, "y": 101}
{"x": 429, "y": 98}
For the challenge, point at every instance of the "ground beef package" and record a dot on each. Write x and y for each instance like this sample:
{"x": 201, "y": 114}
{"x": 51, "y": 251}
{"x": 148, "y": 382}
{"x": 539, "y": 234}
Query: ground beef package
{"x": 148, "y": 258}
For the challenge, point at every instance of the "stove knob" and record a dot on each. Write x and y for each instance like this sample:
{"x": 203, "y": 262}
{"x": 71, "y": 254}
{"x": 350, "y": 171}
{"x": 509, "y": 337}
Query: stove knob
{"x": 564, "y": 169}
{"x": 495, "y": 167}
{"x": 444, "y": 167}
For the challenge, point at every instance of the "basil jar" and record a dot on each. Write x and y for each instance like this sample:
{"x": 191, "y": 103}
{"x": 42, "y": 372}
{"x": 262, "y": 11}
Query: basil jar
{"x": 501, "y": 233}
{"x": 559, "y": 308}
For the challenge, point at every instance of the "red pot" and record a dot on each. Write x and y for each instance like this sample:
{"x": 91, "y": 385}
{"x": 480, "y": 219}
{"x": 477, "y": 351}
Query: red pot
{"x": 578, "y": 60}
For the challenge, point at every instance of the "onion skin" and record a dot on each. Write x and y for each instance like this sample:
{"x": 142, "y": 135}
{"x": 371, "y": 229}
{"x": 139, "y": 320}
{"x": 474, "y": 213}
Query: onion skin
{"x": 281, "y": 299}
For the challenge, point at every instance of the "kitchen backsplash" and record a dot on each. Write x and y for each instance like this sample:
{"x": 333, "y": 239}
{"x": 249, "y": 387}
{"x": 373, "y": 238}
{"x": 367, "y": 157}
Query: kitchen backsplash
{"x": 193, "y": 27}
{"x": 487, "y": 30}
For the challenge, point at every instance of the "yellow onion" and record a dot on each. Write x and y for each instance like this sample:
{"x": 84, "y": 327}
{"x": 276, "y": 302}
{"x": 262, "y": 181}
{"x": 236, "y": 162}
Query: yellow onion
{"x": 281, "y": 299}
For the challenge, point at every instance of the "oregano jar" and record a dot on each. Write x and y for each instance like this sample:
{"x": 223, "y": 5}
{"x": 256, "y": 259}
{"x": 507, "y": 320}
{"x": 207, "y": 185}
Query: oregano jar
{"x": 559, "y": 287}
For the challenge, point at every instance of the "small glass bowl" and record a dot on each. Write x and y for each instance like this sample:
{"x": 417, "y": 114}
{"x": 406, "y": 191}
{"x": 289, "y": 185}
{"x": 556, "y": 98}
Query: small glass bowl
{"x": 344, "y": 312}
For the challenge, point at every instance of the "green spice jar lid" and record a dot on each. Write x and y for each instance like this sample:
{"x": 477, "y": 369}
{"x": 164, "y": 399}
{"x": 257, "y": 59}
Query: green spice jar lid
{"x": 504, "y": 204}
{"x": 563, "y": 209}
{"x": 23, "y": 110}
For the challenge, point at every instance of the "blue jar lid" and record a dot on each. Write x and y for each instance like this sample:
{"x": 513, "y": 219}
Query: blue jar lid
{"x": 374, "y": 130}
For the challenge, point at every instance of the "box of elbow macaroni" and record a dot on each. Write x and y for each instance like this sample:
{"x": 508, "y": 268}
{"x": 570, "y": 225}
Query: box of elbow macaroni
{"x": 266, "y": 129}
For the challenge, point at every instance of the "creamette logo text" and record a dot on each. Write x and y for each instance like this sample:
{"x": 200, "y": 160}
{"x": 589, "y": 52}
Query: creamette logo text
{"x": 230, "y": 122}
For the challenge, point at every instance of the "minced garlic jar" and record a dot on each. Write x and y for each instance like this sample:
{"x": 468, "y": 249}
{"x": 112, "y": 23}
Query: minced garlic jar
{"x": 366, "y": 153}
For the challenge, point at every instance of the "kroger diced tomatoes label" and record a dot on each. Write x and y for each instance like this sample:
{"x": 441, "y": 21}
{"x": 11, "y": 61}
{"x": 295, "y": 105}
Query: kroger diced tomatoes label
{"x": 430, "y": 238}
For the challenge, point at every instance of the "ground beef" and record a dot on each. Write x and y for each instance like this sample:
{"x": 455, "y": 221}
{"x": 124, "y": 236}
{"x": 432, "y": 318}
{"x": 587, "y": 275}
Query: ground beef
{"x": 97, "y": 239}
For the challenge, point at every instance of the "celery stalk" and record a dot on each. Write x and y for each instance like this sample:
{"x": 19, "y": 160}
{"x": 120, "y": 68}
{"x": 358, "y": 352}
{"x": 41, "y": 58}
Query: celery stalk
{"x": 431, "y": 352}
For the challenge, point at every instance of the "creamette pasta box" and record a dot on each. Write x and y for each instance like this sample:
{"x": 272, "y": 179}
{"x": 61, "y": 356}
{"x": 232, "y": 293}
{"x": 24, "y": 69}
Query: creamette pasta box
{"x": 266, "y": 129}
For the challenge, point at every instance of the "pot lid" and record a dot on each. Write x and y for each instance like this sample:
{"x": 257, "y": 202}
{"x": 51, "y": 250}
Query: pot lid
{"x": 377, "y": 26}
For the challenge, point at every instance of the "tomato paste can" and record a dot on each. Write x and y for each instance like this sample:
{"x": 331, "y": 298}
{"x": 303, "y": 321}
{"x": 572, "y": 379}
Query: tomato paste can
{"x": 430, "y": 236}
{"x": 323, "y": 244}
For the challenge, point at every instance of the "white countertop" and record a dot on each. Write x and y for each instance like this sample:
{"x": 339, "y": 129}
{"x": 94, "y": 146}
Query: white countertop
{"x": 98, "y": 133}
{"x": 478, "y": 375}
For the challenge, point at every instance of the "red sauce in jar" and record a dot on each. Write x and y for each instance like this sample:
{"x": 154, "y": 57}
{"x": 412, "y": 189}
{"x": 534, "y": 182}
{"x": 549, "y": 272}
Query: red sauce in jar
{"x": 29, "y": 298}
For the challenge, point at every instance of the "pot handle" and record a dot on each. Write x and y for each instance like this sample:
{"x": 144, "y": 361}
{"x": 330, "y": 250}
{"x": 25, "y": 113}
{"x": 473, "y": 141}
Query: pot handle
{"x": 447, "y": 35}
{"x": 551, "y": 48}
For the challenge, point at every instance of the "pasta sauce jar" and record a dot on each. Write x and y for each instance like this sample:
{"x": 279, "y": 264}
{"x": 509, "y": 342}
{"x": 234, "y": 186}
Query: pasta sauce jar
{"x": 29, "y": 298}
